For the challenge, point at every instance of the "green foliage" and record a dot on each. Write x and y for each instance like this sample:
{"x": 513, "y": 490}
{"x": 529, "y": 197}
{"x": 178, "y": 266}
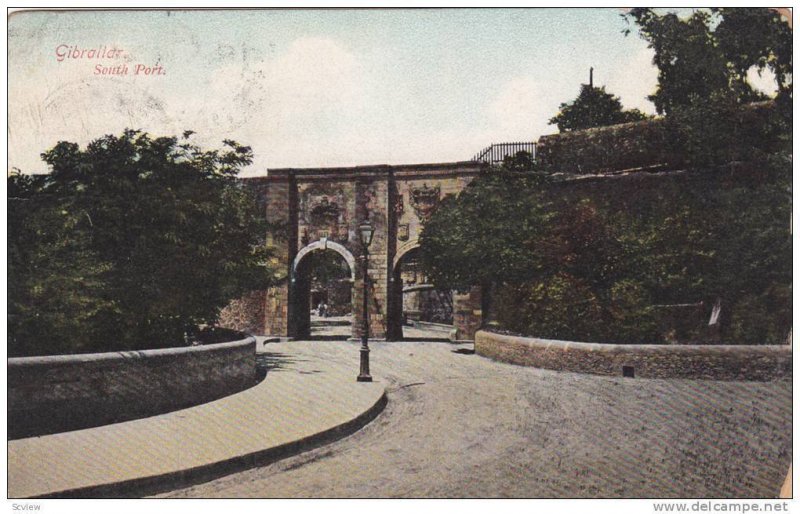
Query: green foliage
{"x": 128, "y": 244}
{"x": 55, "y": 279}
{"x": 499, "y": 218}
{"x": 607, "y": 261}
{"x": 327, "y": 266}
{"x": 709, "y": 53}
{"x": 627, "y": 146}
{"x": 520, "y": 161}
{"x": 703, "y": 62}
{"x": 593, "y": 108}
{"x": 592, "y": 263}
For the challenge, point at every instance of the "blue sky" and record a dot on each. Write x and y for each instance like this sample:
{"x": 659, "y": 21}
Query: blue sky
{"x": 318, "y": 87}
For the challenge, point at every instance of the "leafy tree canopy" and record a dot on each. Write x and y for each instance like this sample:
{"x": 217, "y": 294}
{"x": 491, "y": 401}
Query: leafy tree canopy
{"x": 567, "y": 261}
{"x": 488, "y": 233}
{"x": 710, "y": 53}
{"x": 129, "y": 243}
{"x": 593, "y": 107}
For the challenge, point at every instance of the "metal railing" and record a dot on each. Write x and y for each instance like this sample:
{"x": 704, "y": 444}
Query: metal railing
{"x": 496, "y": 152}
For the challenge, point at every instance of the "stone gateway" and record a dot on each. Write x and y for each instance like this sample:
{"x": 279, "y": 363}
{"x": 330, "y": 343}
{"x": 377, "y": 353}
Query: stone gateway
{"x": 321, "y": 209}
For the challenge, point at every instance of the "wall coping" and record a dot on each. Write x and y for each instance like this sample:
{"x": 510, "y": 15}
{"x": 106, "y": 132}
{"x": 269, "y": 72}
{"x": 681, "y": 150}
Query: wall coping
{"x": 714, "y": 362}
{"x": 126, "y": 354}
{"x": 707, "y": 349}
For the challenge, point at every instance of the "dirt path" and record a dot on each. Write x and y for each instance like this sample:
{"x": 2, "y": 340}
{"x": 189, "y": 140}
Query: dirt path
{"x": 461, "y": 425}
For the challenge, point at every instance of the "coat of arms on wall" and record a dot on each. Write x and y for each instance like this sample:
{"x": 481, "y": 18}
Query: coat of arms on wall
{"x": 324, "y": 213}
{"x": 424, "y": 200}
{"x": 325, "y": 217}
{"x": 402, "y": 232}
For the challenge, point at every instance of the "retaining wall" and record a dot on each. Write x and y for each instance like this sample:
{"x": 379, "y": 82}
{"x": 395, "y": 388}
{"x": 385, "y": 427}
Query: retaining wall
{"x": 68, "y": 392}
{"x": 721, "y": 362}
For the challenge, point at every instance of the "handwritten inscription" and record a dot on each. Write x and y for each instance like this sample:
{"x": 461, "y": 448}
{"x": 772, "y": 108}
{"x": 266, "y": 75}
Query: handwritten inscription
{"x": 110, "y": 57}
{"x": 66, "y": 52}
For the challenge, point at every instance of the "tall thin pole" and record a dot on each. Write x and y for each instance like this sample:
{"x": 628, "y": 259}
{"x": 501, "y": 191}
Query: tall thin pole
{"x": 363, "y": 375}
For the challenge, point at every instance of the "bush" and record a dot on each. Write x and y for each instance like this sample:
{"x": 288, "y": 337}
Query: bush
{"x": 128, "y": 244}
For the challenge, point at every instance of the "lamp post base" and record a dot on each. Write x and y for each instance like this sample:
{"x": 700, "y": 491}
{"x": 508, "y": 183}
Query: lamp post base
{"x": 363, "y": 375}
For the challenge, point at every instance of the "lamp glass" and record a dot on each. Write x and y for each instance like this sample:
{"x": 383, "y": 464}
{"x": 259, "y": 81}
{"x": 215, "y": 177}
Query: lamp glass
{"x": 366, "y": 231}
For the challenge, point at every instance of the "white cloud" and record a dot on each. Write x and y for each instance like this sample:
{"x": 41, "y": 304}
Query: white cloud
{"x": 520, "y": 110}
{"x": 77, "y": 110}
{"x": 314, "y": 76}
{"x": 291, "y": 103}
{"x": 316, "y": 103}
{"x": 633, "y": 80}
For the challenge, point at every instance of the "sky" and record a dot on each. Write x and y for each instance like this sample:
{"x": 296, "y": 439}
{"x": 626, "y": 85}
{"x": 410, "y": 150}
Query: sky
{"x": 315, "y": 88}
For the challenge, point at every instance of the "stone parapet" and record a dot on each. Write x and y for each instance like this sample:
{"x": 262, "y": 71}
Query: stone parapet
{"x": 719, "y": 362}
{"x": 68, "y": 392}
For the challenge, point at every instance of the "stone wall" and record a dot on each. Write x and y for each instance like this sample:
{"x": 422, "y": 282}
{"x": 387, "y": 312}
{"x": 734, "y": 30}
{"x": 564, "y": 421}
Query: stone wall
{"x": 721, "y": 362}
{"x": 68, "y": 392}
{"x": 245, "y": 314}
{"x": 626, "y": 146}
{"x": 467, "y": 314}
{"x": 328, "y": 204}
{"x": 647, "y": 144}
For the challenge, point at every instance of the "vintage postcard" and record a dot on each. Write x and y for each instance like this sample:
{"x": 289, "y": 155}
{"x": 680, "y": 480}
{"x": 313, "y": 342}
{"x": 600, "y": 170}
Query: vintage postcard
{"x": 401, "y": 253}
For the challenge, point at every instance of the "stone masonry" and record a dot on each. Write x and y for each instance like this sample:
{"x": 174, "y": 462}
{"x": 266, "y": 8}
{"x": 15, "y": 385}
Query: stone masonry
{"x": 321, "y": 209}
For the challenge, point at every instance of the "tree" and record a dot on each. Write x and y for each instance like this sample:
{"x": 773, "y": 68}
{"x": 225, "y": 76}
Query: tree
{"x": 593, "y": 108}
{"x": 489, "y": 233}
{"x": 55, "y": 280}
{"x": 581, "y": 263}
{"x": 132, "y": 243}
{"x": 520, "y": 161}
{"x": 703, "y": 62}
{"x": 710, "y": 53}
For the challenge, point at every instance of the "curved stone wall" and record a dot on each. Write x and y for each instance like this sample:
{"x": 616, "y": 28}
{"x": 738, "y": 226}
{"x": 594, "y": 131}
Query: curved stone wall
{"x": 721, "y": 362}
{"x": 68, "y": 392}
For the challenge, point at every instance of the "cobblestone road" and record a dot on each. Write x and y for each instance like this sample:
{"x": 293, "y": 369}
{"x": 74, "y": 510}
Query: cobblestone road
{"x": 460, "y": 425}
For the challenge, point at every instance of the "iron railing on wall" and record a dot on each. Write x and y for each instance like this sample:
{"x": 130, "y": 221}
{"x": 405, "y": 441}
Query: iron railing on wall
{"x": 496, "y": 152}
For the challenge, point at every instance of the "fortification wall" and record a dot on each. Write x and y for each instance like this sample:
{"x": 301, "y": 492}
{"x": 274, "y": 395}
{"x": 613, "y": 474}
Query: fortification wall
{"x": 68, "y": 392}
{"x": 720, "y": 362}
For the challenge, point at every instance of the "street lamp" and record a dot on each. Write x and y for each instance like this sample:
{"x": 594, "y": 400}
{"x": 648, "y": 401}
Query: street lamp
{"x": 365, "y": 230}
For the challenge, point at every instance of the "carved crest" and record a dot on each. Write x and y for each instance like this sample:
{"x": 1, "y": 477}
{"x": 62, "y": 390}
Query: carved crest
{"x": 402, "y": 232}
{"x": 325, "y": 213}
{"x": 424, "y": 200}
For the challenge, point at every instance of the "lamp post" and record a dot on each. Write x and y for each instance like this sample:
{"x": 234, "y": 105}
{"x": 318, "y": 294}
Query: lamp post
{"x": 365, "y": 230}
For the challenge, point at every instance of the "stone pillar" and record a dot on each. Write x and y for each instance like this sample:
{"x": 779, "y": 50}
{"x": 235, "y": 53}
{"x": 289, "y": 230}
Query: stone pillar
{"x": 467, "y": 313}
{"x": 277, "y": 310}
{"x": 265, "y": 312}
{"x": 371, "y": 198}
{"x": 278, "y": 197}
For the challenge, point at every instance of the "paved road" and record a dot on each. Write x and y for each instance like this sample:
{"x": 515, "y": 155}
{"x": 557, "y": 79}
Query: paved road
{"x": 460, "y": 425}
{"x": 341, "y": 327}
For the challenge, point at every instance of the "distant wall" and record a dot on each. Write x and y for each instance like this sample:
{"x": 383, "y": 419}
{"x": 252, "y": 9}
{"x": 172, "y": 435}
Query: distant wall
{"x": 721, "y": 362}
{"x": 68, "y": 392}
{"x": 627, "y": 146}
{"x": 647, "y": 144}
{"x": 246, "y": 314}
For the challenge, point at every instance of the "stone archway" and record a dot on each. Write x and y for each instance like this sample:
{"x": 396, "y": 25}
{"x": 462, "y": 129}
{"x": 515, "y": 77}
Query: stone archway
{"x": 394, "y": 325}
{"x": 403, "y": 249}
{"x": 322, "y": 209}
{"x": 299, "y": 305}
{"x": 414, "y": 299}
{"x": 324, "y": 244}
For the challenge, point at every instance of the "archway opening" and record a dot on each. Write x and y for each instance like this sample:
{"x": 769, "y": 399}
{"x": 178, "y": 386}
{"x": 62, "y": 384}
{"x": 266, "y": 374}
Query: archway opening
{"x": 422, "y": 311}
{"x": 322, "y": 296}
